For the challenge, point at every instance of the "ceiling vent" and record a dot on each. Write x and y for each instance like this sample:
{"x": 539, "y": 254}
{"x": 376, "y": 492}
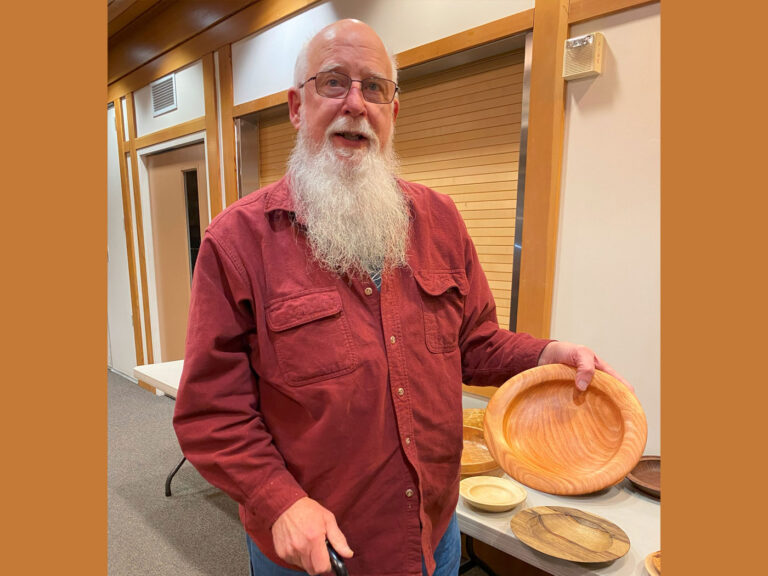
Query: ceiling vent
{"x": 163, "y": 95}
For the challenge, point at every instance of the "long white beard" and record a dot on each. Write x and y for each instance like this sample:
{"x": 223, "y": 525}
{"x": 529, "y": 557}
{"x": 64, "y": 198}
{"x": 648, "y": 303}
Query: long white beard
{"x": 356, "y": 216}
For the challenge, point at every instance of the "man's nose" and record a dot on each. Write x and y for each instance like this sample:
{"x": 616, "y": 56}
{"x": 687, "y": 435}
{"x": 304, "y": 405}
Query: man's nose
{"x": 354, "y": 103}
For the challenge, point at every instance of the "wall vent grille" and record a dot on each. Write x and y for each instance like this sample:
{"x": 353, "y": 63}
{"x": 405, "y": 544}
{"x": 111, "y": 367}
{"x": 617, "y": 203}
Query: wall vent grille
{"x": 163, "y": 95}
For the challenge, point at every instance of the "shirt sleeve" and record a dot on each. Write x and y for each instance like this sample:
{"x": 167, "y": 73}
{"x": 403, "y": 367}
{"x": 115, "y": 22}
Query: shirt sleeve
{"x": 216, "y": 418}
{"x": 490, "y": 355}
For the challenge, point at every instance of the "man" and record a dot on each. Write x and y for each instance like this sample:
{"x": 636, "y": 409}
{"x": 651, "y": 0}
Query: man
{"x": 334, "y": 315}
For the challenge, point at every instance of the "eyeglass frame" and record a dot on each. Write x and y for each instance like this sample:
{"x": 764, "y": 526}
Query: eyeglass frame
{"x": 351, "y": 80}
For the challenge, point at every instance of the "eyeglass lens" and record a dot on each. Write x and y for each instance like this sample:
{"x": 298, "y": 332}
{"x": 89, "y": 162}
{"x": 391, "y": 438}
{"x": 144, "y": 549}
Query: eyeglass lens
{"x": 337, "y": 85}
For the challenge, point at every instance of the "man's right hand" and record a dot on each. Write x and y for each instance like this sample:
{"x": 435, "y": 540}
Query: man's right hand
{"x": 299, "y": 535}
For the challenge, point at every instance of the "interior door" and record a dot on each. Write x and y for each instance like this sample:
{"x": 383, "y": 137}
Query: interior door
{"x": 179, "y": 210}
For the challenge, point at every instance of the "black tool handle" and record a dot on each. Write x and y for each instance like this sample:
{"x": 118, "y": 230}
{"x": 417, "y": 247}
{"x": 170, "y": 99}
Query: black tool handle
{"x": 337, "y": 564}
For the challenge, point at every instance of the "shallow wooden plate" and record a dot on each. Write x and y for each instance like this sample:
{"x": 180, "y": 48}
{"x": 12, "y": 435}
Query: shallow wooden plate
{"x": 570, "y": 534}
{"x": 492, "y": 494}
{"x": 646, "y": 475}
{"x": 476, "y": 458}
{"x": 548, "y": 435}
{"x": 653, "y": 563}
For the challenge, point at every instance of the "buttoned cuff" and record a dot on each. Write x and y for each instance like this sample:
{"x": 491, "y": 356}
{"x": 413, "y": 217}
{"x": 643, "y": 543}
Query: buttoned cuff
{"x": 272, "y": 499}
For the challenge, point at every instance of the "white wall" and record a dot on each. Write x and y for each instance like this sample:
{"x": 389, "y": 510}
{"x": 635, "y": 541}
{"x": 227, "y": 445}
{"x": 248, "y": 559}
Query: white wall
{"x": 262, "y": 64}
{"x": 607, "y": 280}
{"x": 122, "y": 349}
{"x": 190, "y": 98}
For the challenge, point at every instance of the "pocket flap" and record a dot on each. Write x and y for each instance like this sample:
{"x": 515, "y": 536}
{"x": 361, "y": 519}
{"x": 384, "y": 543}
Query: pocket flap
{"x": 297, "y": 310}
{"x": 437, "y": 282}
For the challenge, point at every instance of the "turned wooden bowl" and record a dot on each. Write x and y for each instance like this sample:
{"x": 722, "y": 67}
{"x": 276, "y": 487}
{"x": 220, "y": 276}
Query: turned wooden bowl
{"x": 476, "y": 458}
{"x": 491, "y": 494}
{"x": 550, "y": 436}
{"x": 646, "y": 475}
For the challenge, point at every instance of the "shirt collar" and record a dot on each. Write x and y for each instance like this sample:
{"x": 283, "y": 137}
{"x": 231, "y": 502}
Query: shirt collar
{"x": 279, "y": 197}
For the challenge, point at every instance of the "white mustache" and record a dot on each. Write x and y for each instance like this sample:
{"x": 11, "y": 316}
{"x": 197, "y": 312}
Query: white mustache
{"x": 349, "y": 124}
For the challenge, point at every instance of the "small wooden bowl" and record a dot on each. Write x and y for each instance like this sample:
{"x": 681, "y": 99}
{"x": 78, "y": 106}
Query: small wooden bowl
{"x": 475, "y": 458}
{"x": 492, "y": 494}
{"x": 547, "y": 434}
{"x": 646, "y": 475}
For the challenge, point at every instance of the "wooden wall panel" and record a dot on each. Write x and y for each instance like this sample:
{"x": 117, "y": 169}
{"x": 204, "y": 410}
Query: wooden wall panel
{"x": 546, "y": 123}
{"x": 228, "y": 124}
{"x": 212, "y": 135}
{"x": 495, "y": 30}
{"x": 252, "y": 18}
{"x": 128, "y": 222}
{"x": 165, "y": 26}
{"x": 580, "y": 10}
{"x": 177, "y": 131}
{"x": 459, "y": 132}
{"x": 276, "y": 139}
{"x": 131, "y": 112}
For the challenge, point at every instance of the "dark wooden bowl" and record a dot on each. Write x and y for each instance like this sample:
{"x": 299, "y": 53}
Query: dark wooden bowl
{"x": 646, "y": 476}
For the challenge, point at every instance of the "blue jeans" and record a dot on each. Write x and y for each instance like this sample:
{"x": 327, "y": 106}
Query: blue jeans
{"x": 447, "y": 557}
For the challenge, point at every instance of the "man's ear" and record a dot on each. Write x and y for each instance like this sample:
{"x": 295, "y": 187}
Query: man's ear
{"x": 395, "y": 109}
{"x": 294, "y": 103}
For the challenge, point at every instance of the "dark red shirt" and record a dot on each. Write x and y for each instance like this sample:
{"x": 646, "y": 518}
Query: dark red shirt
{"x": 299, "y": 382}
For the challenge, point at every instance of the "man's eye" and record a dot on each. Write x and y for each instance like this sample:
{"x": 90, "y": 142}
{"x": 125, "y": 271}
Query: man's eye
{"x": 373, "y": 86}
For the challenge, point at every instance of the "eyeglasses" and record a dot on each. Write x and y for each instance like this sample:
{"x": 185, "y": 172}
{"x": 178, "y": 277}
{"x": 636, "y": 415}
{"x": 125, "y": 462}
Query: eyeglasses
{"x": 337, "y": 85}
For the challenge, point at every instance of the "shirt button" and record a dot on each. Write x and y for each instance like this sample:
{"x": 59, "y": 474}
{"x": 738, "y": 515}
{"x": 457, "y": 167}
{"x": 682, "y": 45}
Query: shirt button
{"x": 409, "y": 493}
{"x": 392, "y": 339}
{"x": 368, "y": 291}
{"x": 407, "y": 439}
{"x": 400, "y": 391}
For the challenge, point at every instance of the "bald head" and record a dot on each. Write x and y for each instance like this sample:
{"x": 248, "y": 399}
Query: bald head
{"x": 352, "y": 121}
{"x": 350, "y": 31}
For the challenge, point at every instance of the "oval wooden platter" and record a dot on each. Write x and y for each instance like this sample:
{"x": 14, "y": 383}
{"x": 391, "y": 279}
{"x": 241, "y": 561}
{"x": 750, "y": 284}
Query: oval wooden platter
{"x": 570, "y": 534}
{"x": 491, "y": 494}
{"x": 646, "y": 475}
{"x": 653, "y": 563}
{"x": 550, "y": 436}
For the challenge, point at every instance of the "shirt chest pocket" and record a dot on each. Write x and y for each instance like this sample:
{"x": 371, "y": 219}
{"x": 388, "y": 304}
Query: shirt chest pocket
{"x": 442, "y": 301}
{"x": 311, "y": 336}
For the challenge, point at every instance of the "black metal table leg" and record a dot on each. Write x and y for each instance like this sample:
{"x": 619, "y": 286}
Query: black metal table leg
{"x": 473, "y": 559}
{"x": 171, "y": 475}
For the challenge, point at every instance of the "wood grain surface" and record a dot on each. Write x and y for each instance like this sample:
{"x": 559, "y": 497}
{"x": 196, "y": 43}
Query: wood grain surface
{"x": 476, "y": 458}
{"x": 570, "y": 534}
{"x": 492, "y": 494}
{"x": 474, "y": 417}
{"x": 653, "y": 563}
{"x": 548, "y": 435}
{"x": 646, "y": 475}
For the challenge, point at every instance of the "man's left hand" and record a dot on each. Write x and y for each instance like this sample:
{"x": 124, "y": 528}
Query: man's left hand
{"x": 580, "y": 357}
